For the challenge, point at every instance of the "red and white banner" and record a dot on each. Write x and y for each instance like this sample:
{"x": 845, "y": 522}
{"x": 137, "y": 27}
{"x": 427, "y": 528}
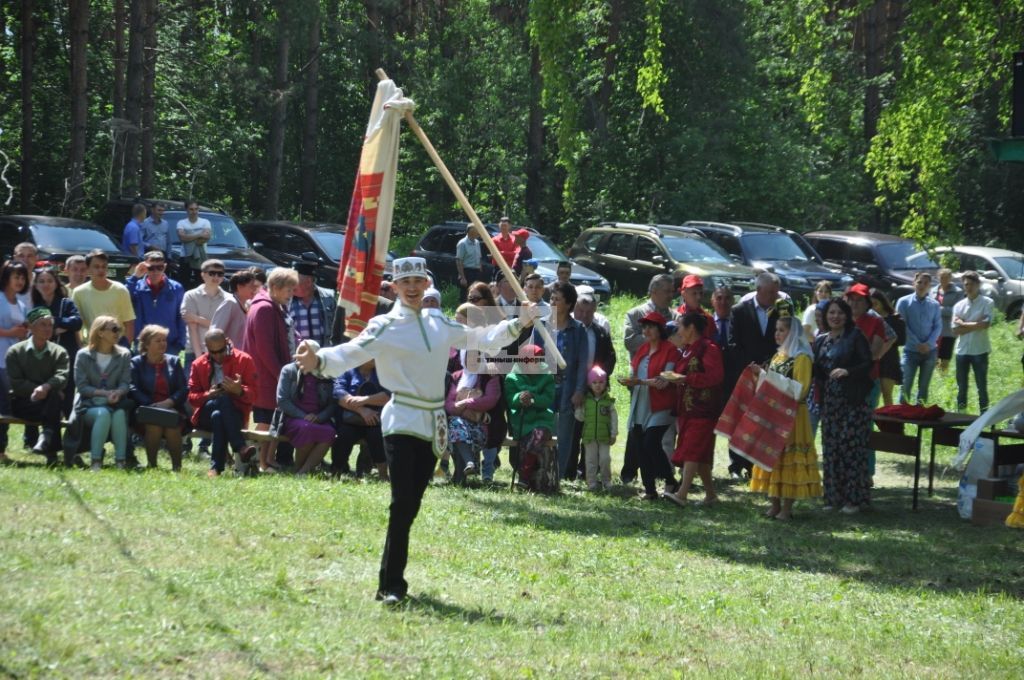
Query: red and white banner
{"x": 370, "y": 212}
{"x": 760, "y": 416}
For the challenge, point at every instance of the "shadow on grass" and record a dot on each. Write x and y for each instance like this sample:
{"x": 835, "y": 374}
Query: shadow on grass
{"x": 889, "y": 546}
{"x": 431, "y": 606}
{"x": 214, "y": 623}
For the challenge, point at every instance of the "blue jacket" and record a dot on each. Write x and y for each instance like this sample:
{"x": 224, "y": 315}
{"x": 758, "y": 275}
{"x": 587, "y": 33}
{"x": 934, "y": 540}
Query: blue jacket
{"x": 164, "y": 310}
{"x": 144, "y": 381}
{"x": 572, "y": 343}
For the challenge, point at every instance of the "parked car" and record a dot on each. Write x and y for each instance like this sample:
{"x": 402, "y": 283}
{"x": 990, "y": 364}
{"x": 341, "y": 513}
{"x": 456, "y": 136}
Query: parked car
{"x": 58, "y": 238}
{"x": 770, "y": 248}
{"x": 629, "y": 255}
{"x": 438, "y": 248}
{"x": 287, "y": 243}
{"x": 227, "y": 244}
{"x": 877, "y": 260}
{"x": 1002, "y": 273}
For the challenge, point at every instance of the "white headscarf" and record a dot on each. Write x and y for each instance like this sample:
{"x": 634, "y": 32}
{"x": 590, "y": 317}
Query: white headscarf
{"x": 796, "y": 341}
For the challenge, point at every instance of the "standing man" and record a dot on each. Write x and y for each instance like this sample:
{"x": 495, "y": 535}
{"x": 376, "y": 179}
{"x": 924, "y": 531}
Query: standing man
{"x": 76, "y": 271}
{"x": 410, "y": 346}
{"x": 563, "y": 272}
{"x": 506, "y": 242}
{"x": 100, "y": 296}
{"x": 947, "y": 294}
{"x": 722, "y": 302}
{"x": 27, "y": 254}
{"x": 194, "y": 232}
{"x": 198, "y": 306}
{"x": 313, "y": 308}
{"x": 131, "y": 239}
{"x": 923, "y": 317}
{"x": 156, "y": 232}
{"x": 157, "y": 299}
{"x": 600, "y": 352}
{"x": 523, "y": 251}
{"x": 467, "y": 258}
{"x": 660, "y": 291}
{"x": 692, "y": 292}
{"x": 971, "y": 318}
{"x": 38, "y": 374}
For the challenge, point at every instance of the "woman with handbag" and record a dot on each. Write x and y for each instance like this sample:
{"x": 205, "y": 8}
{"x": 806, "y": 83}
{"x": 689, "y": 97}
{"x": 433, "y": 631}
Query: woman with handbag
{"x": 102, "y": 373}
{"x": 159, "y": 388}
{"x": 305, "y": 413}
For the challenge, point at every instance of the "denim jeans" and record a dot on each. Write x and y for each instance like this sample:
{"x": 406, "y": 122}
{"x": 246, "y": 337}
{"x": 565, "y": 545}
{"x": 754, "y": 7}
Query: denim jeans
{"x": 912, "y": 362}
{"x": 106, "y": 422}
{"x": 490, "y": 458}
{"x": 565, "y": 423}
{"x": 979, "y": 362}
{"x": 222, "y": 418}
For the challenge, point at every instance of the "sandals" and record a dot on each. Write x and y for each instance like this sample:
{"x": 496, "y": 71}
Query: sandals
{"x": 681, "y": 502}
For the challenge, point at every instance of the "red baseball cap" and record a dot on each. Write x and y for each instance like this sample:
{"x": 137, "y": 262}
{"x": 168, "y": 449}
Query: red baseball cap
{"x": 525, "y": 233}
{"x": 692, "y": 281}
{"x": 859, "y": 289}
{"x": 655, "y": 318}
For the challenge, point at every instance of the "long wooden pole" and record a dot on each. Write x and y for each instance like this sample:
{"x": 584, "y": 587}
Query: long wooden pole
{"x": 549, "y": 342}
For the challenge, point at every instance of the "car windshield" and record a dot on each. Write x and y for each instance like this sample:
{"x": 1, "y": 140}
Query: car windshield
{"x": 775, "y": 246}
{"x": 684, "y": 249}
{"x": 331, "y": 242}
{"x": 902, "y": 255}
{"x": 543, "y": 250}
{"x": 225, "y": 231}
{"x": 72, "y": 239}
{"x": 1013, "y": 266}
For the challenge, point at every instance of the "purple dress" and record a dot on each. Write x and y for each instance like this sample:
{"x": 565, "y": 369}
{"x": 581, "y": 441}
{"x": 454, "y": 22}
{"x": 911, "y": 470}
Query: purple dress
{"x": 301, "y": 432}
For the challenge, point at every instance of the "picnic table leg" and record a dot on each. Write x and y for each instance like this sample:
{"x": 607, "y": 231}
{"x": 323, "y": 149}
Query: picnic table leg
{"x": 931, "y": 465}
{"x": 917, "y": 466}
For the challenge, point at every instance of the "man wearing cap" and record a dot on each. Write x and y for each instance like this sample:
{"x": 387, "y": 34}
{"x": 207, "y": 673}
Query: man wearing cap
{"x": 523, "y": 251}
{"x": 879, "y": 336}
{"x": 38, "y": 373}
{"x": 692, "y": 292}
{"x": 313, "y": 308}
{"x": 923, "y": 318}
{"x": 506, "y": 242}
{"x": 410, "y": 346}
{"x": 467, "y": 257}
{"x": 157, "y": 299}
{"x": 660, "y": 292}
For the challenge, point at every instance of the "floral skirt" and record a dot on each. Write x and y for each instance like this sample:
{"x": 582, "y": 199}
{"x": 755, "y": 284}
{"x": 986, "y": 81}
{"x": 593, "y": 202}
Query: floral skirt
{"x": 467, "y": 432}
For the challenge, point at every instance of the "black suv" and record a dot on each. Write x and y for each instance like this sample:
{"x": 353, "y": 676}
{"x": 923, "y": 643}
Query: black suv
{"x": 879, "y": 260}
{"x": 57, "y": 238}
{"x": 288, "y": 243}
{"x": 437, "y": 247}
{"x": 631, "y": 254}
{"x": 227, "y": 244}
{"x": 770, "y": 248}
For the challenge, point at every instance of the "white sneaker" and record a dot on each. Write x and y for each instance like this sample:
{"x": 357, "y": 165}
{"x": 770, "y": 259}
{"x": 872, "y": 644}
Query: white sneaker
{"x": 470, "y": 469}
{"x": 96, "y": 466}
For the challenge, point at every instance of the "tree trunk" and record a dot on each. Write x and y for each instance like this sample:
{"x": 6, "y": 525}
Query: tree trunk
{"x": 148, "y": 98}
{"x": 535, "y": 143}
{"x": 129, "y": 186}
{"x": 28, "y": 39}
{"x": 79, "y": 12}
{"x": 309, "y": 138}
{"x": 255, "y": 160}
{"x": 278, "y": 119}
{"x": 120, "y": 63}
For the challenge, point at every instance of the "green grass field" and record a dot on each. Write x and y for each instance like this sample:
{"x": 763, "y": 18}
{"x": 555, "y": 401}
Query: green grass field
{"x": 117, "y": 574}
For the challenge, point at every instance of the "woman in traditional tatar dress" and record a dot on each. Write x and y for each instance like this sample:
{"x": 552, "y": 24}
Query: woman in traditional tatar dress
{"x": 795, "y": 475}
{"x": 410, "y": 345}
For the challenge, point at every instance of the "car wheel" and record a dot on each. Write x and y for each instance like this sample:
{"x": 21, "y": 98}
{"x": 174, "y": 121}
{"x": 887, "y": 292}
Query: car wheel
{"x": 1014, "y": 310}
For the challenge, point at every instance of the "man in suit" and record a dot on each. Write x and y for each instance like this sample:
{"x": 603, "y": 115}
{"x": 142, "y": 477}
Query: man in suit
{"x": 661, "y": 289}
{"x": 753, "y": 334}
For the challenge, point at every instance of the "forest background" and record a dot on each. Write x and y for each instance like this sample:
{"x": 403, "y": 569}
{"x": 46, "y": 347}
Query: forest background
{"x": 849, "y": 114}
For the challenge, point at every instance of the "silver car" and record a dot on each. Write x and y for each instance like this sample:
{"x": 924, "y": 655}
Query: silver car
{"x": 1001, "y": 271}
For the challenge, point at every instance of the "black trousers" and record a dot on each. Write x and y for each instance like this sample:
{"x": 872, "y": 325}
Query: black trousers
{"x": 645, "y": 447}
{"x": 47, "y": 411}
{"x": 573, "y": 464}
{"x": 411, "y": 463}
{"x": 350, "y": 435}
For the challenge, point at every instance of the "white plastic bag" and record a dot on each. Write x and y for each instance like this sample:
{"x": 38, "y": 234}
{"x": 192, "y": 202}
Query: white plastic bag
{"x": 965, "y": 498}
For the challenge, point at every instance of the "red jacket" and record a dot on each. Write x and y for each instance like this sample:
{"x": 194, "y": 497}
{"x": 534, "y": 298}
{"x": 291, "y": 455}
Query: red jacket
{"x": 235, "y": 363}
{"x": 266, "y": 341}
{"x": 661, "y": 400}
{"x": 701, "y": 395}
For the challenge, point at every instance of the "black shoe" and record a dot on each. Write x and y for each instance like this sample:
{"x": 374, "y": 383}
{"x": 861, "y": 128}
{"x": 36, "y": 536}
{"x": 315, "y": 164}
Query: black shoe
{"x": 44, "y": 443}
{"x": 76, "y": 462}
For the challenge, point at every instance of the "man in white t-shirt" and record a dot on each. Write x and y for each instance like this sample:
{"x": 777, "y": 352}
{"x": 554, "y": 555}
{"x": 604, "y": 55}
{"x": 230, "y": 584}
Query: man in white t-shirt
{"x": 972, "y": 317}
{"x": 194, "y": 232}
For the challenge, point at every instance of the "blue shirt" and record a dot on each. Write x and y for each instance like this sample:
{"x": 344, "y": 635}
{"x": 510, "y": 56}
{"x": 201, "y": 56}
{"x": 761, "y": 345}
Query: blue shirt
{"x": 163, "y": 310}
{"x": 132, "y": 237}
{"x": 923, "y": 317}
{"x": 156, "y": 236}
{"x": 348, "y": 383}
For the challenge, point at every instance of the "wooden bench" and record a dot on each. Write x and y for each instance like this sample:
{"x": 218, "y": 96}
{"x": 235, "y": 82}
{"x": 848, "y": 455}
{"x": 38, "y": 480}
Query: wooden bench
{"x": 249, "y": 435}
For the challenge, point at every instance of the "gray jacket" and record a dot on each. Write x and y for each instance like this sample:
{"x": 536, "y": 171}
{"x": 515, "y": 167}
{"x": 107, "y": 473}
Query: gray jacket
{"x": 288, "y": 395}
{"x": 88, "y": 379}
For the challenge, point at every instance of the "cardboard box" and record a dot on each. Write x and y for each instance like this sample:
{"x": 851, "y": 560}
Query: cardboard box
{"x": 990, "y": 487}
{"x": 990, "y": 513}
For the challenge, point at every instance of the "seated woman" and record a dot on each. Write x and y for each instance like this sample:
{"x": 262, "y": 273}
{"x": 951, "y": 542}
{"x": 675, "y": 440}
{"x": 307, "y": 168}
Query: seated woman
{"x": 159, "y": 381}
{"x": 307, "y": 406}
{"x": 360, "y": 399}
{"x": 102, "y": 373}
